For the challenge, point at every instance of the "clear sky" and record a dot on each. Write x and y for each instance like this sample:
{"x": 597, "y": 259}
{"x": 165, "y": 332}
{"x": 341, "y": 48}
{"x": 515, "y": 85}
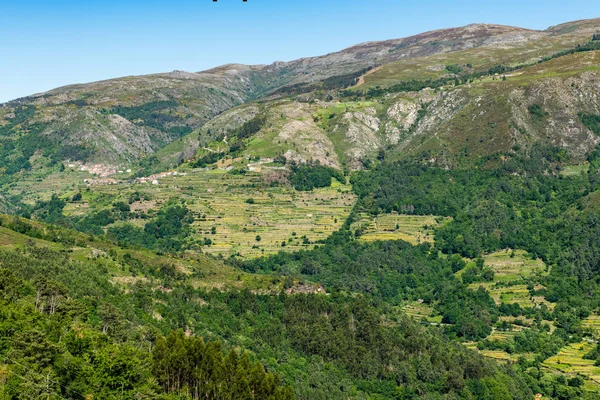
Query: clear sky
{"x": 49, "y": 43}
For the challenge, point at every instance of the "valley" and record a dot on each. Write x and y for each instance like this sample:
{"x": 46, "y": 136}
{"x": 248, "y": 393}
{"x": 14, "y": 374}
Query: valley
{"x": 412, "y": 218}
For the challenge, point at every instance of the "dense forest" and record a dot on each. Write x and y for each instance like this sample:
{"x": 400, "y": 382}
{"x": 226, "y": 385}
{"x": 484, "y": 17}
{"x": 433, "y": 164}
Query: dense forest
{"x": 334, "y": 82}
{"x": 68, "y": 331}
{"x": 308, "y": 177}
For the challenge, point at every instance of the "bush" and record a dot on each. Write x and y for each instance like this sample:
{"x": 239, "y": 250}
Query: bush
{"x": 308, "y": 177}
{"x": 453, "y": 68}
{"x": 591, "y": 121}
{"x": 537, "y": 113}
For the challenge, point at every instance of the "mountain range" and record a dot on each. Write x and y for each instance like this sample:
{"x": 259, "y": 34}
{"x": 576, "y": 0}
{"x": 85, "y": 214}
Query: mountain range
{"x": 460, "y": 105}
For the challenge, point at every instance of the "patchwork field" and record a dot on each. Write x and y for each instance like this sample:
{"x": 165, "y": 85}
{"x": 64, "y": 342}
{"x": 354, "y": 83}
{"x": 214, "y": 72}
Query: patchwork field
{"x": 239, "y": 213}
{"x": 514, "y": 270}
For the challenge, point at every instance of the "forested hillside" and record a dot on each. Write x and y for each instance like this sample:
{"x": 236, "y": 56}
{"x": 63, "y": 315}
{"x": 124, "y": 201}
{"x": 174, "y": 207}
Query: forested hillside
{"x": 78, "y": 321}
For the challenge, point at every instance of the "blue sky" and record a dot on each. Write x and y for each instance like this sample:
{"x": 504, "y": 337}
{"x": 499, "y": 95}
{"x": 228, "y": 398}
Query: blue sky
{"x": 49, "y": 43}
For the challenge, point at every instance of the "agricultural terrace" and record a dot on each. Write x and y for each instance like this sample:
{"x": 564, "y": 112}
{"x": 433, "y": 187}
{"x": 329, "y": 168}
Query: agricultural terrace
{"x": 238, "y": 214}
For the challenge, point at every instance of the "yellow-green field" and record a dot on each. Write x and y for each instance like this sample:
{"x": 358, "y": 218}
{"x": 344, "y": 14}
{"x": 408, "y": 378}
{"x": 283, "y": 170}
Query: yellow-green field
{"x": 500, "y": 355}
{"x": 220, "y": 199}
{"x": 513, "y": 267}
{"x": 570, "y": 361}
{"x": 571, "y": 170}
{"x": 592, "y": 323}
{"x": 414, "y": 229}
{"x": 421, "y": 311}
{"x": 278, "y": 214}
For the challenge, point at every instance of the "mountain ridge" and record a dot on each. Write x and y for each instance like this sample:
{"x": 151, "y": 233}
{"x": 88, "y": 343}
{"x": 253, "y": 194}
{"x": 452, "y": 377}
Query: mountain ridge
{"x": 120, "y": 121}
{"x": 278, "y": 63}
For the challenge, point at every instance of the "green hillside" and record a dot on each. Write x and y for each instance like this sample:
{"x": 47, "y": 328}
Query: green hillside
{"x": 83, "y": 317}
{"x": 409, "y": 219}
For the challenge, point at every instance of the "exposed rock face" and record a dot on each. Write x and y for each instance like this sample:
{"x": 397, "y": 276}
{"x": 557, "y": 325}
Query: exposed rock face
{"x": 497, "y": 116}
{"x": 361, "y": 128}
{"x": 305, "y": 288}
{"x": 304, "y": 140}
{"x": 404, "y": 113}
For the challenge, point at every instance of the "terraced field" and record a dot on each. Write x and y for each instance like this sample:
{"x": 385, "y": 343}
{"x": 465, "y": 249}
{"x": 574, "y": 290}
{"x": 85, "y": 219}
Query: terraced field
{"x": 511, "y": 269}
{"x": 240, "y": 214}
{"x": 500, "y": 355}
{"x": 274, "y": 216}
{"x": 250, "y": 217}
{"x": 414, "y": 229}
{"x": 592, "y": 323}
{"x": 421, "y": 312}
{"x": 570, "y": 361}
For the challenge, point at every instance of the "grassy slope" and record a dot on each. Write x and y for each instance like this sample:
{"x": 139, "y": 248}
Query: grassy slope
{"x": 207, "y": 272}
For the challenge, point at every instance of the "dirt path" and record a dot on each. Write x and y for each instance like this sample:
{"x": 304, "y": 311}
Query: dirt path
{"x": 361, "y": 80}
